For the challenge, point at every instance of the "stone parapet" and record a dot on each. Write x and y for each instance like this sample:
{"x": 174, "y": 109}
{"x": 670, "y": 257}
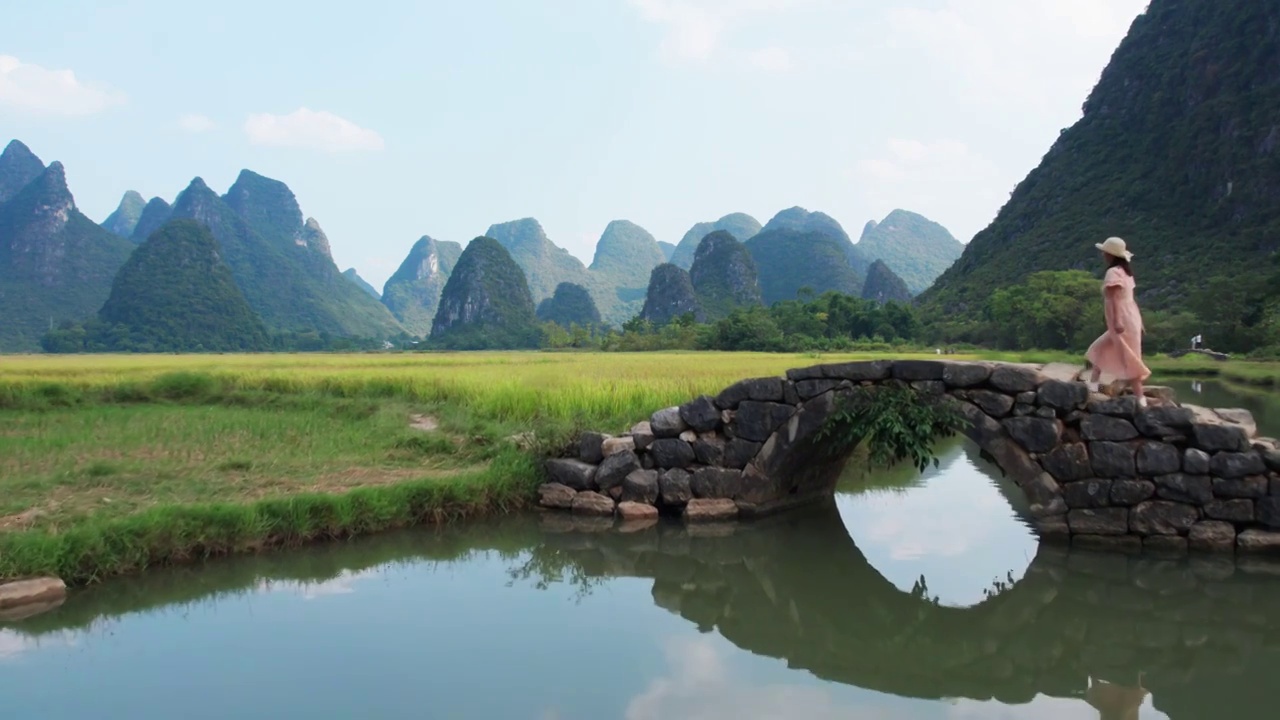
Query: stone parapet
{"x": 1097, "y": 471}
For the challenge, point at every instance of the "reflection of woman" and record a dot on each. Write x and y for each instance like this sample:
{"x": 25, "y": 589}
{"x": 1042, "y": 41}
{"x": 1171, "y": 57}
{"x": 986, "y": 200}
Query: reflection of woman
{"x": 1115, "y": 702}
{"x": 1119, "y": 351}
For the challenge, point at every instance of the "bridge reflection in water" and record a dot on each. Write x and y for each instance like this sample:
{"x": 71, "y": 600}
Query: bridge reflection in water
{"x": 1202, "y": 636}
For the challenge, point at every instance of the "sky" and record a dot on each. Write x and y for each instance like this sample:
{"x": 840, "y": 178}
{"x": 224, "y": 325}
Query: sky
{"x": 394, "y": 120}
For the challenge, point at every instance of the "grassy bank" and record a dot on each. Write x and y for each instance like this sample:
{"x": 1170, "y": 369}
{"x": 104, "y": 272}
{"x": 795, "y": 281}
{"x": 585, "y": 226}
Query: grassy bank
{"x": 111, "y": 464}
{"x": 1261, "y": 374}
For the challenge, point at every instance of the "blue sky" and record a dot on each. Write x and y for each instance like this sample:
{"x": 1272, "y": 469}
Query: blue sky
{"x": 394, "y": 120}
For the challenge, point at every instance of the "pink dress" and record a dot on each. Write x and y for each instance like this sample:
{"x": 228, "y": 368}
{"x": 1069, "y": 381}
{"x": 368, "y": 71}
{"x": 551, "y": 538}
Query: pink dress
{"x": 1120, "y": 354}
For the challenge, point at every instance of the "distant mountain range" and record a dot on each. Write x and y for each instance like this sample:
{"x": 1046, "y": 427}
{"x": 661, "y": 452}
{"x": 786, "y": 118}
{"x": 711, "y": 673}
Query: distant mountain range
{"x": 1177, "y": 151}
{"x": 57, "y": 266}
{"x": 914, "y": 247}
{"x": 55, "y": 263}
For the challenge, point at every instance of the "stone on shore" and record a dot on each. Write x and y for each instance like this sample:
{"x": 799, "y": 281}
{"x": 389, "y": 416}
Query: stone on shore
{"x": 710, "y": 510}
{"x": 641, "y": 486}
{"x": 20, "y": 599}
{"x": 636, "y": 511}
{"x": 556, "y": 495}
{"x": 1213, "y": 536}
{"x": 575, "y": 474}
{"x": 674, "y": 487}
{"x": 592, "y": 504}
{"x": 1259, "y": 542}
{"x": 615, "y": 469}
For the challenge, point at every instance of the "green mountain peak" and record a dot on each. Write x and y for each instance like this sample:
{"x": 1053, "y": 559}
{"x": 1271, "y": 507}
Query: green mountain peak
{"x": 724, "y": 276}
{"x": 486, "y": 303}
{"x": 883, "y": 285}
{"x": 155, "y": 214}
{"x": 288, "y": 282}
{"x": 353, "y": 276}
{"x": 741, "y": 226}
{"x": 56, "y": 265}
{"x": 670, "y": 295}
{"x": 413, "y": 292}
{"x": 626, "y": 249}
{"x": 18, "y": 167}
{"x": 570, "y": 305}
{"x": 916, "y": 248}
{"x": 175, "y": 294}
{"x": 126, "y": 215}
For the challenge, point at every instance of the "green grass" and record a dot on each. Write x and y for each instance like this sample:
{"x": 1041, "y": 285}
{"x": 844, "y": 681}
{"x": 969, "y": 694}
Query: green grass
{"x": 106, "y": 544}
{"x": 63, "y": 464}
{"x": 1244, "y": 372}
{"x": 111, "y": 464}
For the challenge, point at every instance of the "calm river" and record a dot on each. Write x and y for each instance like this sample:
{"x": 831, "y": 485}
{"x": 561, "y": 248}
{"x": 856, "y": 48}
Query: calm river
{"x": 908, "y": 597}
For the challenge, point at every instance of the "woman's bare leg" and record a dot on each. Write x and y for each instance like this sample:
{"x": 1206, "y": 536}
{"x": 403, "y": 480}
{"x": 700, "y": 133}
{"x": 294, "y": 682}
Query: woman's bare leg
{"x": 1095, "y": 375}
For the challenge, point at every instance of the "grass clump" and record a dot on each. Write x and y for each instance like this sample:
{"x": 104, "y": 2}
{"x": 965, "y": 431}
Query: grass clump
{"x": 106, "y": 545}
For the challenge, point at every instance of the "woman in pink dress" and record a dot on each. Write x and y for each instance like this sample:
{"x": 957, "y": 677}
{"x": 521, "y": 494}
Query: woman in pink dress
{"x": 1119, "y": 351}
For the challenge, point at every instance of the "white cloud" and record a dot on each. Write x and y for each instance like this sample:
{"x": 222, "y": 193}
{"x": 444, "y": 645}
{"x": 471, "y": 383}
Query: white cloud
{"x": 992, "y": 84}
{"x": 342, "y": 584}
{"x": 1042, "y": 707}
{"x": 306, "y": 128}
{"x": 695, "y": 28}
{"x": 37, "y": 89}
{"x": 700, "y": 685}
{"x": 928, "y": 172}
{"x": 14, "y": 644}
{"x": 196, "y": 123}
{"x": 1007, "y": 52}
{"x": 772, "y": 59}
{"x": 692, "y": 31}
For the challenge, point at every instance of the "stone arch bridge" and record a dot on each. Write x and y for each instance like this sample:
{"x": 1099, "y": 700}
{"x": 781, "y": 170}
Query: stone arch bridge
{"x": 1097, "y": 471}
{"x": 1200, "y": 633}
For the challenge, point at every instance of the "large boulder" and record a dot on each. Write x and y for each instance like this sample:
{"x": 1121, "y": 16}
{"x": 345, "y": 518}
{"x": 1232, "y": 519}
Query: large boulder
{"x": 574, "y": 474}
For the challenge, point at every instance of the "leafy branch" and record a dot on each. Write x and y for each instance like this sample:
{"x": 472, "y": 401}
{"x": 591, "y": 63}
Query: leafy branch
{"x": 897, "y": 422}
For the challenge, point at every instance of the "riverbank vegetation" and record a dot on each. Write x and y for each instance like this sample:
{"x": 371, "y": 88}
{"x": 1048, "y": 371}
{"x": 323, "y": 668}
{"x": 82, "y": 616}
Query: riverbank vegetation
{"x": 1053, "y": 311}
{"x": 113, "y": 463}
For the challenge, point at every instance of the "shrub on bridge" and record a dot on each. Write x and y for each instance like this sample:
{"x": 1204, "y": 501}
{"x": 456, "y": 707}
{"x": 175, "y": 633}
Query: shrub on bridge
{"x": 898, "y": 422}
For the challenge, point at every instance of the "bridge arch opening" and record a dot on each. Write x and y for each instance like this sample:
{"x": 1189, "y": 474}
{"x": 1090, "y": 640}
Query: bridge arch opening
{"x": 958, "y": 533}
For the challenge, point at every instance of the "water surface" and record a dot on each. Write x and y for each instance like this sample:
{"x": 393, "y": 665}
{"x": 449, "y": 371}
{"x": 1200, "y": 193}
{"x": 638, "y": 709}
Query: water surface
{"x": 908, "y": 596}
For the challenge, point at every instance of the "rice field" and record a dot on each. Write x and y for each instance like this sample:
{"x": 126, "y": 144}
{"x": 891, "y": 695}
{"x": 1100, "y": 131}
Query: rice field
{"x": 112, "y": 463}
{"x": 503, "y": 387}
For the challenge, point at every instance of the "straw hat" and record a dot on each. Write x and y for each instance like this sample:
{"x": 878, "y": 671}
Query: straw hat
{"x": 1114, "y": 246}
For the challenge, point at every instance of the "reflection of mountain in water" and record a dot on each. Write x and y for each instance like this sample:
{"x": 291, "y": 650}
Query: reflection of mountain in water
{"x": 796, "y": 587}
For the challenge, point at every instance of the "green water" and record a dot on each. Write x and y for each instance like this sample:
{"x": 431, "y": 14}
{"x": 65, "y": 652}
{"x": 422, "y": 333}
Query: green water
{"x": 908, "y": 596}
